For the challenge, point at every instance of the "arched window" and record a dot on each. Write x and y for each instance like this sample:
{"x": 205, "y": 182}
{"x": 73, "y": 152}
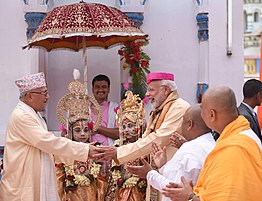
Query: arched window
{"x": 256, "y": 17}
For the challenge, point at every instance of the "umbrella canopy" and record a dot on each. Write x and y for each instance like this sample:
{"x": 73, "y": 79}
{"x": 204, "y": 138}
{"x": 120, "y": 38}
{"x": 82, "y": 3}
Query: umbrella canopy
{"x": 81, "y": 25}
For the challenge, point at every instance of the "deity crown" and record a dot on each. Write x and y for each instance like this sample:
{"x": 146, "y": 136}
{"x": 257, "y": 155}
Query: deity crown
{"x": 77, "y": 105}
{"x": 131, "y": 108}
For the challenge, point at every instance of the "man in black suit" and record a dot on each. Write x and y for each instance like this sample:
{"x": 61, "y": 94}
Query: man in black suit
{"x": 252, "y": 91}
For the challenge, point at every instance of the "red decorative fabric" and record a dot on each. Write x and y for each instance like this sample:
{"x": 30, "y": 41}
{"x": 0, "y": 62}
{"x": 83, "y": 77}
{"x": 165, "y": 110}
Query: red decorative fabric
{"x": 103, "y": 26}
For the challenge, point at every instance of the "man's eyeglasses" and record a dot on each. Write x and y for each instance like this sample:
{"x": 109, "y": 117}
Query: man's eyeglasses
{"x": 44, "y": 93}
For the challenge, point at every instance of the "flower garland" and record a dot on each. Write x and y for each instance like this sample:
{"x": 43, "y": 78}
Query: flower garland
{"x": 131, "y": 181}
{"x": 95, "y": 169}
{"x": 80, "y": 173}
{"x": 126, "y": 182}
{"x": 73, "y": 179}
{"x": 123, "y": 181}
{"x": 138, "y": 61}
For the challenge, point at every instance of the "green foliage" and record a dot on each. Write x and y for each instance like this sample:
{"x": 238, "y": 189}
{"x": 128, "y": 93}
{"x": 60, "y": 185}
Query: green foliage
{"x": 138, "y": 61}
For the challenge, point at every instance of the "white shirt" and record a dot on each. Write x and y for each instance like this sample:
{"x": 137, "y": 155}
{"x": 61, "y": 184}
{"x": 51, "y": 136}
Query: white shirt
{"x": 251, "y": 109}
{"x": 187, "y": 161}
{"x": 250, "y": 133}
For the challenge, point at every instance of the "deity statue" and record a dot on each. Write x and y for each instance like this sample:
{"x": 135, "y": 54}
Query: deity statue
{"x": 79, "y": 181}
{"x": 122, "y": 186}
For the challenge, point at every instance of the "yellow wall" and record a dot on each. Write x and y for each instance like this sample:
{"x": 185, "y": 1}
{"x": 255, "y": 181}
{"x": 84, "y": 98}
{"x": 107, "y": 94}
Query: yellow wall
{"x": 250, "y": 66}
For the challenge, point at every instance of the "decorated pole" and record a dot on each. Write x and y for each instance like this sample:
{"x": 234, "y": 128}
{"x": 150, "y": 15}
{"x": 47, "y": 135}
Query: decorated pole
{"x": 85, "y": 64}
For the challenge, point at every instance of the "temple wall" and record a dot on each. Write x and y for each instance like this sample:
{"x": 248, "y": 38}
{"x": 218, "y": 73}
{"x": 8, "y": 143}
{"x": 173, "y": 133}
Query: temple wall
{"x": 174, "y": 47}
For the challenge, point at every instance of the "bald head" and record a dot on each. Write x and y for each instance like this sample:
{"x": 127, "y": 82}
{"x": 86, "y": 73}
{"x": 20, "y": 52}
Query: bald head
{"x": 221, "y": 98}
{"x": 218, "y": 107}
{"x": 193, "y": 125}
{"x": 194, "y": 113}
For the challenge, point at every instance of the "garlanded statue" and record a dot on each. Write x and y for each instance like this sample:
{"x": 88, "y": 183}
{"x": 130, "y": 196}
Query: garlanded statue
{"x": 79, "y": 180}
{"x": 122, "y": 186}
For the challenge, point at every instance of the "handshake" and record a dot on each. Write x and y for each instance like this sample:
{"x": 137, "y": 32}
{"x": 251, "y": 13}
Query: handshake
{"x": 105, "y": 153}
{"x": 100, "y": 154}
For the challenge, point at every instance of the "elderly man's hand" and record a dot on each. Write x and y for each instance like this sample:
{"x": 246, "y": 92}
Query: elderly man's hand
{"x": 105, "y": 153}
{"x": 140, "y": 171}
{"x": 92, "y": 150}
{"x": 177, "y": 140}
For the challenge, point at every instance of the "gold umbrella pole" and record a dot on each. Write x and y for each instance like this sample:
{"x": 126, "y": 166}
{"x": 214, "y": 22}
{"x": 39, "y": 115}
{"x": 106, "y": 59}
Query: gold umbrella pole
{"x": 85, "y": 63}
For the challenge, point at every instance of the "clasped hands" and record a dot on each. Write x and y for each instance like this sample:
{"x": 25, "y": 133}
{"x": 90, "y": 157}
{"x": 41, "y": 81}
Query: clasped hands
{"x": 100, "y": 154}
{"x": 109, "y": 152}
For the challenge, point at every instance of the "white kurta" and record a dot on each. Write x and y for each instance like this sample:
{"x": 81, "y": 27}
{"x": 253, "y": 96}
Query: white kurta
{"x": 187, "y": 161}
{"x": 27, "y": 144}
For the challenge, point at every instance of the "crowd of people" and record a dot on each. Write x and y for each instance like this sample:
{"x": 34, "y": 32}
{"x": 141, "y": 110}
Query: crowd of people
{"x": 108, "y": 151}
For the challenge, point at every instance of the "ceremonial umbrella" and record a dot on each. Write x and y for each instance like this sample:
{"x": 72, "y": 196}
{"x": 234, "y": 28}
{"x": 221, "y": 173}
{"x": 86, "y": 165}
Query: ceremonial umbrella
{"x": 82, "y": 25}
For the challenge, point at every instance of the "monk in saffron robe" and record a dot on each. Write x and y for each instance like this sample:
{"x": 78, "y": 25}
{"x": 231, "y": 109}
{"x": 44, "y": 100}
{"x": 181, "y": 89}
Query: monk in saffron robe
{"x": 233, "y": 170}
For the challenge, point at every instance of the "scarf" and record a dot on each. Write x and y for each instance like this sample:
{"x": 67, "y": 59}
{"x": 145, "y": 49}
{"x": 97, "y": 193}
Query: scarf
{"x": 157, "y": 116}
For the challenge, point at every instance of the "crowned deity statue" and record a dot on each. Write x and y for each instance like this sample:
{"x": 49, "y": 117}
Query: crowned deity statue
{"x": 123, "y": 186}
{"x": 79, "y": 181}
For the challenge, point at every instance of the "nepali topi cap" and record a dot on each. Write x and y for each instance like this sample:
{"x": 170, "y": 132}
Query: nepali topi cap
{"x": 30, "y": 82}
{"x": 159, "y": 76}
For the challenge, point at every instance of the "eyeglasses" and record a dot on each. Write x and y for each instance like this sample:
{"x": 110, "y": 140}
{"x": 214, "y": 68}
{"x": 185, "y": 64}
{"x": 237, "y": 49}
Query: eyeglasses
{"x": 44, "y": 93}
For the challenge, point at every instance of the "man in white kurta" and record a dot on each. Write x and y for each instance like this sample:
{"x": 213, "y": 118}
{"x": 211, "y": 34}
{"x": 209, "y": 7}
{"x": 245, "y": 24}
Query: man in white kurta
{"x": 28, "y": 161}
{"x": 187, "y": 161}
{"x": 189, "y": 158}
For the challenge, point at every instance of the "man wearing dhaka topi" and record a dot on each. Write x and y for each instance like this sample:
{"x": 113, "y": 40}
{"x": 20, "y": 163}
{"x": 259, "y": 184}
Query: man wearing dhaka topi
{"x": 28, "y": 162}
{"x": 165, "y": 119}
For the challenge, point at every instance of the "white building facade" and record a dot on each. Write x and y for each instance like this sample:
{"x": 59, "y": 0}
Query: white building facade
{"x": 252, "y": 37}
{"x": 174, "y": 46}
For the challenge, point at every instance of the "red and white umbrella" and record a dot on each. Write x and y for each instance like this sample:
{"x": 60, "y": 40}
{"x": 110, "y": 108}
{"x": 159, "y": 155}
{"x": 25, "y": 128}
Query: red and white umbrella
{"x": 82, "y": 25}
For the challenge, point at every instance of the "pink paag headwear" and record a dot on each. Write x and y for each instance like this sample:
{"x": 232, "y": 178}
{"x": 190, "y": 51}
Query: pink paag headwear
{"x": 159, "y": 76}
{"x": 30, "y": 82}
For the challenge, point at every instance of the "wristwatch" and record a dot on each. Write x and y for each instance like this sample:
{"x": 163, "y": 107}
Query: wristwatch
{"x": 191, "y": 196}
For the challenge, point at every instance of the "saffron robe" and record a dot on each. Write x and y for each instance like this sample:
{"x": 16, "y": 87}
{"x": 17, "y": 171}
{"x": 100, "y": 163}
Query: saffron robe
{"x": 233, "y": 170}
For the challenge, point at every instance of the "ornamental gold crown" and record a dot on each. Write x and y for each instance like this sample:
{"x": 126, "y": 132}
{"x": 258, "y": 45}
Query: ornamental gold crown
{"x": 77, "y": 105}
{"x": 131, "y": 108}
